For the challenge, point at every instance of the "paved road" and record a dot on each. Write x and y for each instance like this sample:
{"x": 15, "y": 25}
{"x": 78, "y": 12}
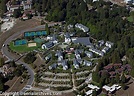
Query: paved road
{"x": 10, "y": 56}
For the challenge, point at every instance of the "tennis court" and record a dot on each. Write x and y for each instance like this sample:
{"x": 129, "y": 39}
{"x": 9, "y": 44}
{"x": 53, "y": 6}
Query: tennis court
{"x": 38, "y": 40}
{"x": 36, "y": 33}
{"x": 20, "y": 42}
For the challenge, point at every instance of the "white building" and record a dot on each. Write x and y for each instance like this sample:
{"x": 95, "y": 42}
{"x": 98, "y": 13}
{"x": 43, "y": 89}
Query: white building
{"x": 96, "y": 51}
{"x": 87, "y": 63}
{"x": 60, "y": 55}
{"x": 64, "y": 65}
{"x": 53, "y": 66}
{"x": 109, "y": 44}
{"x": 105, "y": 49}
{"x": 95, "y": 0}
{"x": 93, "y": 87}
{"x": 89, "y": 54}
{"x": 129, "y": 1}
{"x": 76, "y": 63}
{"x": 101, "y": 42}
{"x": 112, "y": 88}
{"x": 27, "y": 4}
{"x": 89, "y": 92}
{"x": 82, "y": 27}
{"x": 67, "y": 38}
{"x": 77, "y": 55}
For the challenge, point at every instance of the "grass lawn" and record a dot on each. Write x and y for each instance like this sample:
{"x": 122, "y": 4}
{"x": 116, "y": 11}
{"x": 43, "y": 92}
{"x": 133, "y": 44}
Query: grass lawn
{"x": 71, "y": 56}
{"x": 130, "y": 19}
{"x": 23, "y": 48}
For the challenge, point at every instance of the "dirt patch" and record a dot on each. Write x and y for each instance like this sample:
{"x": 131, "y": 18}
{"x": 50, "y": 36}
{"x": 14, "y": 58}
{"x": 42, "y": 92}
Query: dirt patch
{"x": 39, "y": 61}
{"x": 32, "y": 44}
{"x": 14, "y": 83}
{"x": 128, "y": 92}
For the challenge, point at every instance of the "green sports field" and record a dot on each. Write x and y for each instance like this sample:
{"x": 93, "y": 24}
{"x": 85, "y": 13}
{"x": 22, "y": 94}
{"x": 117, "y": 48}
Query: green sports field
{"x": 23, "y": 48}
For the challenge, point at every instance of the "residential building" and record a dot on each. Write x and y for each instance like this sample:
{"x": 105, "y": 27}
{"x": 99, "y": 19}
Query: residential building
{"x": 105, "y": 49}
{"x": 53, "y": 66}
{"x": 109, "y": 44}
{"x": 82, "y": 40}
{"x": 82, "y": 27}
{"x": 87, "y": 63}
{"x": 77, "y": 55}
{"x": 48, "y": 57}
{"x": 129, "y": 1}
{"x": 96, "y": 51}
{"x": 64, "y": 65}
{"x": 93, "y": 87}
{"x": 60, "y": 55}
{"x": 89, "y": 92}
{"x": 24, "y": 17}
{"x": 67, "y": 38}
{"x": 26, "y": 4}
{"x": 54, "y": 39}
{"x": 49, "y": 37}
{"x": 76, "y": 64}
{"x": 95, "y": 0}
{"x": 101, "y": 42}
{"x": 70, "y": 26}
{"x": 111, "y": 89}
{"x": 47, "y": 45}
{"x": 89, "y": 54}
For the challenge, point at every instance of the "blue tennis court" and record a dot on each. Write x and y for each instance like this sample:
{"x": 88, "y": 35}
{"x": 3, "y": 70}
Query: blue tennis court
{"x": 20, "y": 42}
{"x": 36, "y": 33}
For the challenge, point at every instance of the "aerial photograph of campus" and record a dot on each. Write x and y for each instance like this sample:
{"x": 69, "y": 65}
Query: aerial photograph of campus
{"x": 67, "y": 47}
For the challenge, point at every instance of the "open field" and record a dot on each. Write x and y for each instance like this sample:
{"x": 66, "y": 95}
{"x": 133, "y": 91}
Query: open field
{"x": 130, "y": 19}
{"x": 14, "y": 83}
{"x": 23, "y": 48}
{"x": 128, "y": 92}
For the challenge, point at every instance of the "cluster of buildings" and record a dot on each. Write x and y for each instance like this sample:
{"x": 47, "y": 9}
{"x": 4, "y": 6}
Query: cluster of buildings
{"x": 6, "y": 70}
{"x": 113, "y": 69}
{"x": 108, "y": 45}
{"x": 25, "y": 5}
{"x": 129, "y": 1}
{"x": 53, "y": 40}
{"x": 105, "y": 88}
{"x": 92, "y": 88}
{"x": 77, "y": 60}
{"x": 111, "y": 89}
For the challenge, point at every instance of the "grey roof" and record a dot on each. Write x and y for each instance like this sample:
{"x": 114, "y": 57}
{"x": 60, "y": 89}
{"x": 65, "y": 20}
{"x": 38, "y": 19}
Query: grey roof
{"x": 82, "y": 27}
{"x": 76, "y": 51}
{"x": 49, "y": 56}
{"x": 110, "y": 43}
{"x": 96, "y": 51}
{"x": 54, "y": 37}
{"x": 82, "y": 40}
{"x": 87, "y": 63}
{"x": 67, "y": 35}
{"x": 49, "y": 44}
{"x": 53, "y": 66}
{"x": 87, "y": 52}
{"x": 75, "y": 62}
{"x": 59, "y": 53}
{"x": 64, "y": 64}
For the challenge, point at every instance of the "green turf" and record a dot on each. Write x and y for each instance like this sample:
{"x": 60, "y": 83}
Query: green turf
{"x": 71, "y": 56}
{"x": 130, "y": 19}
{"x": 23, "y": 48}
{"x": 38, "y": 40}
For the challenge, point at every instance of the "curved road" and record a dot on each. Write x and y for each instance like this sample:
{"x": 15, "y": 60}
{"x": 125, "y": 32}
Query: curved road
{"x": 10, "y": 56}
